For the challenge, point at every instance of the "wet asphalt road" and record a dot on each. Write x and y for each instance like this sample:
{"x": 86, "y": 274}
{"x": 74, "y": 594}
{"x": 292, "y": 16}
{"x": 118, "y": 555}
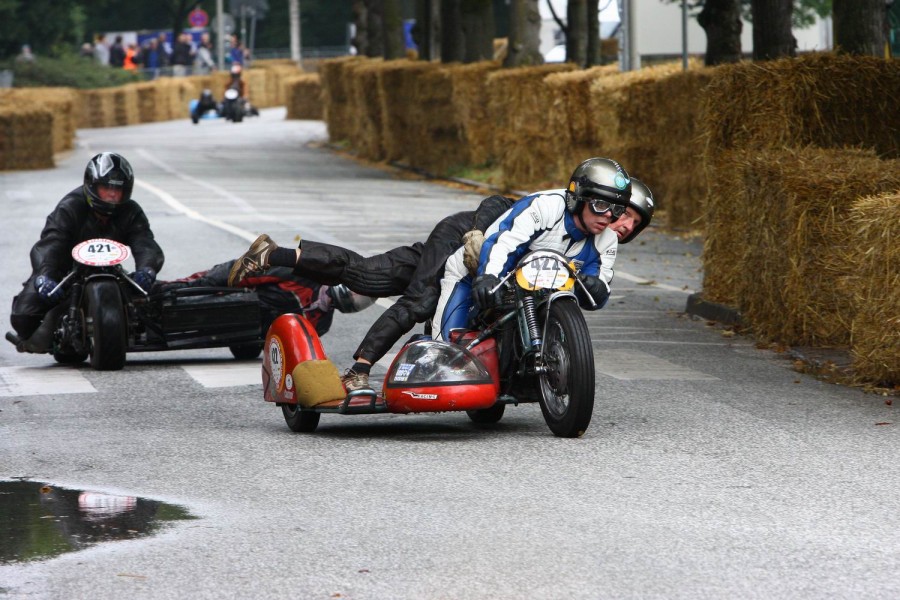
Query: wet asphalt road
{"x": 710, "y": 470}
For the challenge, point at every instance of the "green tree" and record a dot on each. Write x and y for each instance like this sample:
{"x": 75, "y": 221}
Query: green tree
{"x": 50, "y": 27}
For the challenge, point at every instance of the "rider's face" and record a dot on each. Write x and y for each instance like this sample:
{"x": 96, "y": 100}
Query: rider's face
{"x": 593, "y": 223}
{"x": 113, "y": 195}
{"x": 626, "y": 223}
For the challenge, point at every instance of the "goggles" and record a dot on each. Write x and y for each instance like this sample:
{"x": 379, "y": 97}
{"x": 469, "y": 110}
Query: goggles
{"x": 599, "y": 207}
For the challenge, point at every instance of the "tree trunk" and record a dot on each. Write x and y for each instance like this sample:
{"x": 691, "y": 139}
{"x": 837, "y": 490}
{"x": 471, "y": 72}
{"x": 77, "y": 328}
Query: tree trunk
{"x": 360, "y": 39}
{"x": 477, "y": 18}
{"x": 453, "y": 43}
{"x": 721, "y": 20}
{"x": 576, "y": 32}
{"x": 524, "y": 34}
{"x": 593, "y": 34}
{"x": 394, "y": 46}
{"x": 427, "y": 32}
{"x": 772, "y": 37}
{"x": 375, "y": 28}
{"x": 859, "y": 26}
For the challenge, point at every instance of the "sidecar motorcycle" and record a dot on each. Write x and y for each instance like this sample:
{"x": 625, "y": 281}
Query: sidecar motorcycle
{"x": 105, "y": 315}
{"x": 535, "y": 348}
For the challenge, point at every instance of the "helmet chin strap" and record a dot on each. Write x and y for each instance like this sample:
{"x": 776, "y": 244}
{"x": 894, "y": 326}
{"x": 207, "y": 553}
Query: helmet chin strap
{"x": 579, "y": 218}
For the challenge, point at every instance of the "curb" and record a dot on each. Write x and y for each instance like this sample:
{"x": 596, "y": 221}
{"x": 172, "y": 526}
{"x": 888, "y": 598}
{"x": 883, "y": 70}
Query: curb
{"x": 712, "y": 311}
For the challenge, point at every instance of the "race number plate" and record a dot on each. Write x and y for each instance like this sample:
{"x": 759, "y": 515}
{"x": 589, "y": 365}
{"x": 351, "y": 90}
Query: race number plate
{"x": 544, "y": 271}
{"x": 100, "y": 252}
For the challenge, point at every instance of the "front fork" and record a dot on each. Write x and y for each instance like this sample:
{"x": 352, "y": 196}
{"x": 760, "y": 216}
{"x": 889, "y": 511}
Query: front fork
{"x": 71, "y": 331}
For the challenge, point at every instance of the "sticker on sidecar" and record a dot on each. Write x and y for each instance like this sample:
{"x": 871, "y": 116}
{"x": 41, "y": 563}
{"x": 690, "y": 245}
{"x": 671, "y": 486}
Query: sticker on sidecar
{"x": 275, "y": 358}
{"x": 403, "y": 371}
{"x": 418, "y": 396}
{"x": 100, "y": 252}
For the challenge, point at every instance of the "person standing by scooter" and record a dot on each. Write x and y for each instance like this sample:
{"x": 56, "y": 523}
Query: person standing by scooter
{"x": 101, "y": 207}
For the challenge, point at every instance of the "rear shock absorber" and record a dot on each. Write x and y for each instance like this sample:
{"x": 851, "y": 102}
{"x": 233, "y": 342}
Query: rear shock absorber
{"x": 534, "y": 332}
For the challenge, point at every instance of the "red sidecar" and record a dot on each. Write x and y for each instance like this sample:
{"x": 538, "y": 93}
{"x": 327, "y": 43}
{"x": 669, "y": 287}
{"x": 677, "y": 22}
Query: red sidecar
{"x": 426, "y": 376}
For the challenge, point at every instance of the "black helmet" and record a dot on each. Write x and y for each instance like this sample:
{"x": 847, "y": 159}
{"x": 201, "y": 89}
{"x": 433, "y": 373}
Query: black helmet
{"x": 206, "y": 94}
{"x": 348, "y": 302}
{"x": 598, "y": 179}
{"x": 108, "y": 169}
{"x": 642, "y": 201}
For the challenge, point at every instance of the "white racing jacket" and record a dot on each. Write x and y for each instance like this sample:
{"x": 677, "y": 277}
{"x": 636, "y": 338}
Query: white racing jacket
{"x": 539, "y": 221}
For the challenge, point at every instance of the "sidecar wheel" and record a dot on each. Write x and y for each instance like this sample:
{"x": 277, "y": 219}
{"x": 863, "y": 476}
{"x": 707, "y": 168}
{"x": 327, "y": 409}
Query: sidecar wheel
{"x": 246, "y": 351}
{"x": 487, "y": 415}
{"x": 106, "y": 325}
{"x": 567, "y": 386}
{"x": 300, "y": 421}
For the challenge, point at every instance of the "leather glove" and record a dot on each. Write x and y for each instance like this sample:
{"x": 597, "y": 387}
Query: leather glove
{"x": 144, "y": 278}
{"x": 45, "y": 288}
{"x": 596, "y": 287}
{"x": 472, "y": 241}
{"x": 481, "y": 292}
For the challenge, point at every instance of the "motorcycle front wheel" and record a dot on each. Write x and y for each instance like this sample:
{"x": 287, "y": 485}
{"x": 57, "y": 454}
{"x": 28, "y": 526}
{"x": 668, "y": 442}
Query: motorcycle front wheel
{"x": 567, "y": 383}
{"x": 106, "y": 325}
{"x": 300, "y": 421}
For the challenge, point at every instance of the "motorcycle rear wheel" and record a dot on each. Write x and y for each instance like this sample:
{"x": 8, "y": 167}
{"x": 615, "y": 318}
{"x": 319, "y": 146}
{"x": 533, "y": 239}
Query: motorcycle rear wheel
{"x": 567, "y": 386}
{"x": 246, "y": 351}
{"x": 300, "y": 421}
{"x": 106, "y": 325}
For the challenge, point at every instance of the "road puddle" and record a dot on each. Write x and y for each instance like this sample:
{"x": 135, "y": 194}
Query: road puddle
{"x": 39, "y": 520}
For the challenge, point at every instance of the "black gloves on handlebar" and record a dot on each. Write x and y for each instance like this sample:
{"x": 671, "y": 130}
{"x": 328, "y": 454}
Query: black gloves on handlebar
{"x": 596, "y": 287}
{"x": 144, "y": 278}
{"x": 481, "y": 292}
{"x": 47, "y": 288}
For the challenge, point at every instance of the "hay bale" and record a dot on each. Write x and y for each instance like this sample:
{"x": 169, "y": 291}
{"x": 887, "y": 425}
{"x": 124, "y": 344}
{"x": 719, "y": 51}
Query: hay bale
{"x": 125, "y": 106}
{"x": 26, "y": 137}
{"x": 796, "y": 239}
{"x": 825, "y": 100}
{"x": 469, "y": 105}
{"x": 569, "y": 121}
{"x": 303, "y": 96}
{"x": 337, "y": 112}
{"x": 365, "y": 134}
{"x": 398, "y": 81}
{"x": 97, "y": 108}
{"x": 63, "y": 103}
{"x": 661, "y": 126}
{"x": 150, "y": 105}
{"x": 873, "y": 285}
{"x": 435, "y": 126}
{"x": 276, "y": 76}
{"x": 517, "y": 107}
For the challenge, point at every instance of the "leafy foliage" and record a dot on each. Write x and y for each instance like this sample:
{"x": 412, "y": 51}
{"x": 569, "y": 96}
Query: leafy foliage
{"x": 69, "y": 71}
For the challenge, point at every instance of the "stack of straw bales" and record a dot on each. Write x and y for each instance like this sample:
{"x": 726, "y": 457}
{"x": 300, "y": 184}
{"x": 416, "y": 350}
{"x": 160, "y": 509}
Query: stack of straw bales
{"x": 517, "y": 105}
{"x": 399, "y": 81}
{"x": 338, "y": 111}
{"x": 303, "y": 96}
{"x": 63, "y": 104}
{"x": 873, "y": 285}
{"x": 26, "y": 137}
{"x": 469, "y": 105}
{"x": 797, "y": 244}
{"x": 570, "y": 123}
{"x": 363, "y": 81}
{"x": 440, "y": 136}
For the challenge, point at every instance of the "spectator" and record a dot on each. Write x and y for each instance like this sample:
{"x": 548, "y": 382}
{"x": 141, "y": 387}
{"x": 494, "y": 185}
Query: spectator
{"x": 117, "y": 53}
{"x": 132, "y": 58}
{"x": 25, "y": 55}
{"x": 182, "y": 55}
{"x": 87, "y": 51}
{"x": 205, "y": 62}
{"x": 101, "y": 50}
{"x": 238, "y": 54}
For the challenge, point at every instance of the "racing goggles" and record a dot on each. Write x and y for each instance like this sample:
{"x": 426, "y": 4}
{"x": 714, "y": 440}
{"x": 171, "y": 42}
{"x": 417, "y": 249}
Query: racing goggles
{"x": 599, "y": 207}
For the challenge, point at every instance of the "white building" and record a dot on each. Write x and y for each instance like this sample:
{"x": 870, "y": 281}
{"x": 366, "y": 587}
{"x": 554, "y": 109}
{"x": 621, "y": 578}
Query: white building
{"x": 658, "y": 31}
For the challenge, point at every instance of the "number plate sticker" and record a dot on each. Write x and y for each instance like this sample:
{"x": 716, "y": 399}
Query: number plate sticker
{"x": 275, "y": 359}
{"x": 542, "y": 274}
{"x": 100, "y": 252}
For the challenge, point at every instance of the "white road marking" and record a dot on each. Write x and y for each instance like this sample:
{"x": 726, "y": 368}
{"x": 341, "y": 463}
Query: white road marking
{"x": 634, "y": 364}
{"x": 648, "y": 283}
{"x": 42, "y": 381}
{"x": 226, "y": 374}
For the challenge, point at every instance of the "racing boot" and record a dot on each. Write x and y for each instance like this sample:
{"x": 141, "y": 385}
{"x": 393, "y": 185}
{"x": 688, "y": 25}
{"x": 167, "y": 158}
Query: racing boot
{"x": 253, "y": 260}
{"x": 354, "y": 382}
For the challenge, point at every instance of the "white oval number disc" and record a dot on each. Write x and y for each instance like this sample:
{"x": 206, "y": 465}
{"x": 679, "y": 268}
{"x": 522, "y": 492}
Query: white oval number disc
{"x": 100, "y": 252}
